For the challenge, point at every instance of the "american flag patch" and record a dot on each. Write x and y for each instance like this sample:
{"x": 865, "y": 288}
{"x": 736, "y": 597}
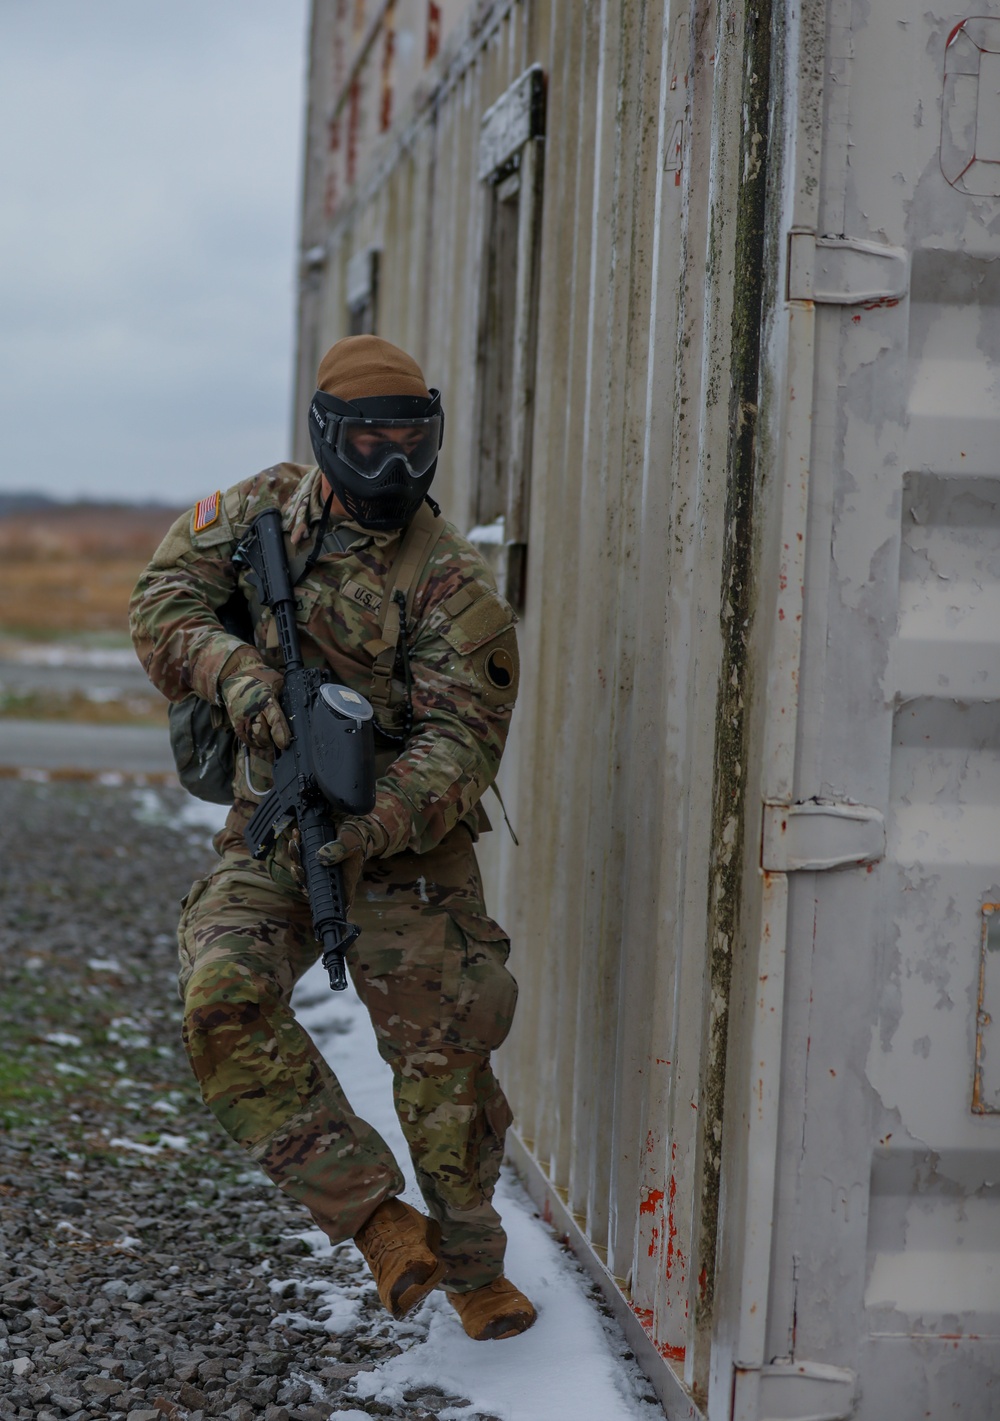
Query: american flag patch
{"x": 207, "y": 512}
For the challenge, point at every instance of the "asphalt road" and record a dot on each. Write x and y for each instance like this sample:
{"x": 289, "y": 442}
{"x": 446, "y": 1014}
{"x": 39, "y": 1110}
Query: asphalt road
{"x": 101, "y": 677}
{"x": 48, "y": 745}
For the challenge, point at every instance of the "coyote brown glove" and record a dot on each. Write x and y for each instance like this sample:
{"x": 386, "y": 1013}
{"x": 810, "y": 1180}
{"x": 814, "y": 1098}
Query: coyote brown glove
{"x": 250, "y": 695}
{"x": 357, "y": 840}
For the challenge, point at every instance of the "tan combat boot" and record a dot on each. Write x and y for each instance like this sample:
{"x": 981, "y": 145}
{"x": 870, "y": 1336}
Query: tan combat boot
{"x": 497, "y": 1310}
{"x": 400, "y": 1248}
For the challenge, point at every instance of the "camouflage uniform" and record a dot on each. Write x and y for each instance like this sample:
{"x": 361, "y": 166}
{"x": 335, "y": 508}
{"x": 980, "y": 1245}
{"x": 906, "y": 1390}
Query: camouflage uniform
{"x": 429, "y": 964}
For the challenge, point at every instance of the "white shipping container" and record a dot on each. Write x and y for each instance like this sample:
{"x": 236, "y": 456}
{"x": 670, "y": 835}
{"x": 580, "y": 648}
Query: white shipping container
{"x": 712, "y": 294}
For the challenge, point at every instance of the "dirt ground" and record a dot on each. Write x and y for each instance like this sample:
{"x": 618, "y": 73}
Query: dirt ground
{"x": 147, "y": 1270}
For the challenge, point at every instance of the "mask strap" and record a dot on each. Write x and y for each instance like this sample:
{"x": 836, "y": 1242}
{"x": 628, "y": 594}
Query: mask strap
{"x": 317, "y": 546}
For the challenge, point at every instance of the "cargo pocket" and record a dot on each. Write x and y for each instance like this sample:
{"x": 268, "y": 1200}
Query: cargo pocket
{"x": 487, "y": 993}
{"x": 409, "y": 980}
{"x": 185, "y": 951}
{"x": 498, "y": 1118}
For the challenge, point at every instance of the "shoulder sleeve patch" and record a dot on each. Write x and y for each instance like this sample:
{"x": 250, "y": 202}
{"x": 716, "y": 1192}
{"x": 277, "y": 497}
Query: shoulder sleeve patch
{"x": 477, "y": 623}
{"x": 206, "y": 512}
{"x": 210, "y": 521}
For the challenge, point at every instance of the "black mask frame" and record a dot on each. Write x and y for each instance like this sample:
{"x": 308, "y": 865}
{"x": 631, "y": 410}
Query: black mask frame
{"x": 391, "y": 500}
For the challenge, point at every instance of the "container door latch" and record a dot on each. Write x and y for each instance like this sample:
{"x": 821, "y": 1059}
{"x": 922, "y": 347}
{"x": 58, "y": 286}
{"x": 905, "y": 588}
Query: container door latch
{"x": 846, "y": 271}
{"x": 816, "y": 836}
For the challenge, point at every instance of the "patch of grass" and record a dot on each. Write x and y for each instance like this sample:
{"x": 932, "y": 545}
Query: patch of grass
{"x": 22, "y": 1090}
{"x": 79, "y": 708}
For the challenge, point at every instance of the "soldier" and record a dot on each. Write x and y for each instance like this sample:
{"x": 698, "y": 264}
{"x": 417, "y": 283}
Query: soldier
{"x": 401, "y": 608}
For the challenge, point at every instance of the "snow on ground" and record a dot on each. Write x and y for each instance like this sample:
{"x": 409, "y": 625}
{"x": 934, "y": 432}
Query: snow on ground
{"x": 570, "y": 1366}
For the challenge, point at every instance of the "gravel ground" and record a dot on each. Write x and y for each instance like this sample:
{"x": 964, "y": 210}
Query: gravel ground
{"x": 144, "y": 1271}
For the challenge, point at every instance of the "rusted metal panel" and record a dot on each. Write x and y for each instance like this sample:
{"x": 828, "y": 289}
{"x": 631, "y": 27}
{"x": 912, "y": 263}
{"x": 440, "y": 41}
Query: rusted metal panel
{"x": 753, "y": 768}
{"x": 986, "y": 1080}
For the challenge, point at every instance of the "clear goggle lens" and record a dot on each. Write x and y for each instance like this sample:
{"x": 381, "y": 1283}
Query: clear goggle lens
{"x": 369, "y": 445}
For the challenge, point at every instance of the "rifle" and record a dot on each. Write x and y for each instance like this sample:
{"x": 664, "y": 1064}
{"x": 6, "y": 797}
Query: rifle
{"x": 330, "y": 763}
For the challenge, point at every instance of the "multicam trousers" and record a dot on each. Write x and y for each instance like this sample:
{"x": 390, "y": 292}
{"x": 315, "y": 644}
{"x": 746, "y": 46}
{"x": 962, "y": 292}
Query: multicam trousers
{"x": 429, "y": 966}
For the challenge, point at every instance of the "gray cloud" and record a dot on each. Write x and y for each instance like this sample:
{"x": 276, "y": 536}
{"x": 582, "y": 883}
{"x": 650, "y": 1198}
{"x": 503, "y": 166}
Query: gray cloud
{"x": 150, "y": 166}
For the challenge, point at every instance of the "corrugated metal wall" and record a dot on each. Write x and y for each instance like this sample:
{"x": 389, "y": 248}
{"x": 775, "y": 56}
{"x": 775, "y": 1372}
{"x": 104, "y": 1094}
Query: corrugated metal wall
{"x": 623, "y": 899}
{"x": 753, "y": 910}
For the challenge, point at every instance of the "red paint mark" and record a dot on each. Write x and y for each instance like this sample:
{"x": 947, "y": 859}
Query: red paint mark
{"x": 662, "y": 1061}
{"x": 649, "y": 1205}
{"x": 881, "y": 302}
{"x": 672, "y": 1354}
{"x": 433, "y": 31}
{"x": 781, "y": 614}
{"x": 703, "y": 1281}
{"x": 954, "y": 34}
{"x": 650, "y": 1142}
{"x": 856, "y": 320}
{"x": 671, "y": 1229}
{"x": 547, "y": 1210}
{"x": 677, "y": 183}
{"x": 654, "y": 1240}
{"x": 665, "y": 1349}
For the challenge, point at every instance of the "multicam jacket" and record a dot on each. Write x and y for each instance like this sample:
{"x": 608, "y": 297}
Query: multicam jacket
{"x": 460, "y": 630}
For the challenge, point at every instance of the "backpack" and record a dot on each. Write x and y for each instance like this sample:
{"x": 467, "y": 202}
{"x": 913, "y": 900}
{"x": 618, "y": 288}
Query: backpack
{"x": 202, "y": 739}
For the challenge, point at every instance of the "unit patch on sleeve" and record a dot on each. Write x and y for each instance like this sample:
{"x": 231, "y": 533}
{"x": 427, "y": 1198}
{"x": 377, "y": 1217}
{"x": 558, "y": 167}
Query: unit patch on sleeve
{"x": 207, "y": 512}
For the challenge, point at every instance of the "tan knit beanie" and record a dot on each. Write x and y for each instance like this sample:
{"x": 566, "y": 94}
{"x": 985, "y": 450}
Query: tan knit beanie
{"x": 361, "y": 367}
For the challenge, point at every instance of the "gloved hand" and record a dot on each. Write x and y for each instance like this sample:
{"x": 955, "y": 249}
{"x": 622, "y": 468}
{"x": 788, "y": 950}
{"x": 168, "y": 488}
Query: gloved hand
{"x": 250, "y": 695}
{"x": 357, "y": 841}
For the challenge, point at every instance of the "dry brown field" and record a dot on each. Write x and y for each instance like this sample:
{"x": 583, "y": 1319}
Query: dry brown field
{"x": 66, "y": 576}
{"x": 67, "y": 570}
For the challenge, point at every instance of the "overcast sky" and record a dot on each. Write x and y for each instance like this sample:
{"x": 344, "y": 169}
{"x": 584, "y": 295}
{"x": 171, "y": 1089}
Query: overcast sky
{"x": 150, "y": 169}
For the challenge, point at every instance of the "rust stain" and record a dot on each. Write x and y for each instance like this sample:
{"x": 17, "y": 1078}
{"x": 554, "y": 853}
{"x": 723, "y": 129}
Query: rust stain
{"x": 353, "y": 130}
{"x": 388, "y": 56}
{"x": 433, "y": 31}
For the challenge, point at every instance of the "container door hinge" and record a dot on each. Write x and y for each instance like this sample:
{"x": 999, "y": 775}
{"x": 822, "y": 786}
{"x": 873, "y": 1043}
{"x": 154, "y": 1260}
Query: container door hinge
{"x": 816, "y": 836}
{"x": 806, "y": 1391}
{"x": 845, "y": 271}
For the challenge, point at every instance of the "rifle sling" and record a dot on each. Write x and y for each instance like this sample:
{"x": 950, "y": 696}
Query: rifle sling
{"x": 414, "y": 549}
